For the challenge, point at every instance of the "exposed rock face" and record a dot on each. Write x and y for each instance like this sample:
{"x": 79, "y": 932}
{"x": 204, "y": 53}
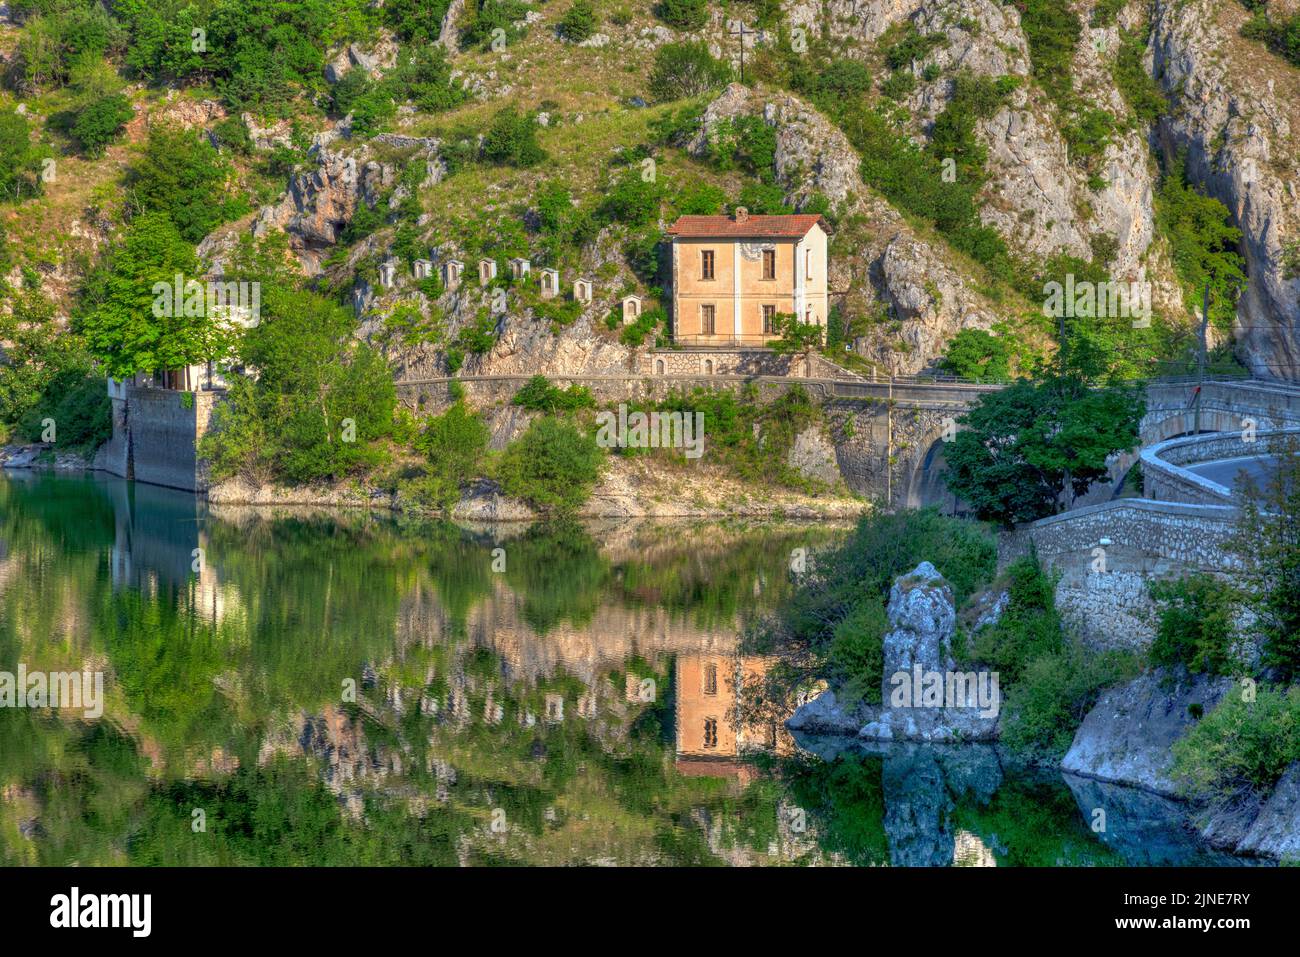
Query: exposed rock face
{"x": 1126, "y": 738}
{"x": 320, "y": 203}
{"x": 931, "y": 298}
{"x": 813, "y": 456}
{"x": 1275, "y": 832}
{"x": 825, "y": 715}
{"x": 1238, "y": 129}
{"x": 923, "y": 617}
{"x": 373, "y": 58}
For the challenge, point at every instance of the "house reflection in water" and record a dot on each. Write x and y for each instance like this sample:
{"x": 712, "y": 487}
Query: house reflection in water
{"x": 712, "y": 737}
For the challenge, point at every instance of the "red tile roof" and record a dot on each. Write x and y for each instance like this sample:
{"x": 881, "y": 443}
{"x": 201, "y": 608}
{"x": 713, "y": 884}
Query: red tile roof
{"x": 755, "y": 227}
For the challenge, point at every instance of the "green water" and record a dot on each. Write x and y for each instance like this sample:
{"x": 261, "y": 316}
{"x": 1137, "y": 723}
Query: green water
{"x": 353, "y": 689}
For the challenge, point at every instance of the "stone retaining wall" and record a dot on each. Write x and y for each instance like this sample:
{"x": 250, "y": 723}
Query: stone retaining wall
{"x": 1107, "y": 553}
{"x": 155, "y": 439}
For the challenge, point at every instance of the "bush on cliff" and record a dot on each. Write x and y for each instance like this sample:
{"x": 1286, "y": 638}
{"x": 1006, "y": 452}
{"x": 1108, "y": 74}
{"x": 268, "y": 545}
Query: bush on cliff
{"x": 553, "y": 466}
{"x": 1239, "y": 747}
{"x": 1195, "y": 626}
{"x": 454, "y": 444}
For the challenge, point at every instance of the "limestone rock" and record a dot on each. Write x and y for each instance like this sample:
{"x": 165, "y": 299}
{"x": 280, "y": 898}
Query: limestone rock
{"x": 1237, "y": 127}
{"x": 1126, "y": 738}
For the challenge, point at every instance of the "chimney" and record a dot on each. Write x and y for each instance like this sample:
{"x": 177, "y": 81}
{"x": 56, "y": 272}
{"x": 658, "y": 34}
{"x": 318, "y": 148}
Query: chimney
{"x": 742, "y": 214}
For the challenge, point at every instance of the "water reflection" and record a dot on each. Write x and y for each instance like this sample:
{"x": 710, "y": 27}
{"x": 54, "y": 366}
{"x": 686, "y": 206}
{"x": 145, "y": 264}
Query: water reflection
{"x": 345, "y": 688}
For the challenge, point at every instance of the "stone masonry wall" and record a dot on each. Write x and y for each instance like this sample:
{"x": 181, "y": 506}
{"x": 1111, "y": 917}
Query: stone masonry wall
{"x": 163, "y": 429}
{"x": 1103, "y": 587}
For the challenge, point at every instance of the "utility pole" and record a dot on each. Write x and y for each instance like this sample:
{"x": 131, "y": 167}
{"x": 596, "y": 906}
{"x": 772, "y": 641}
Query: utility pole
{"x": 1200, "y": 363}
{"x": 738, "y": 30}
{"x": 889, "y": 438}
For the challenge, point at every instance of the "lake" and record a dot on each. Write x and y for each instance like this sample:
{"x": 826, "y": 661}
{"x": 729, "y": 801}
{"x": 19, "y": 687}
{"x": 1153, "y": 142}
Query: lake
{"x": 348, "y": 688}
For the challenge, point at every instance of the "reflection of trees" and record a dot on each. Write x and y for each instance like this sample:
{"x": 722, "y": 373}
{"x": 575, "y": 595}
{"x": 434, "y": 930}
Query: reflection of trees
{"x": 558, "y": 570}
{"x": 210, "y": 710}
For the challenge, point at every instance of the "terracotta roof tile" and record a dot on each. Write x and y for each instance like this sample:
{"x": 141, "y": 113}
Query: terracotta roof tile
{"x": 755, "y": 227}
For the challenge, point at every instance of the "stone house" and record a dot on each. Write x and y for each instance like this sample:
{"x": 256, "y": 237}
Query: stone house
{"x": 732, "y": 276}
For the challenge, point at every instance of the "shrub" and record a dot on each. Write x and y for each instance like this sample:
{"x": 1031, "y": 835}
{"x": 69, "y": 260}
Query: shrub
{"x": 488, "y": 16}
{"x": 1240, "y": 746}
{"x": 1030, "y": 626}
{"x": 683, "y": 14}
{"x": 843, "y": 78}
{"x": 80, "y": 408}
{"x": 100, "y": 121}
{"x": 454, "y": 443}
{"x": 1049, "y": 701}
{"x": 579, "y": 23}
{"x": 511, "y": 140}
{"x": 540, "y": 396}
{"x": 856, "y": 658}
{"x": 684, "y": 70}
{"x": 181, "y": 175}
{"x": 1195, "y": 626}
{"x": 319, "y": 405}
{"x": 553, "y": 466}
{"x": 632, "y": 200}
{"x": 20, "y": 158}
{"x": 975, "y": 354}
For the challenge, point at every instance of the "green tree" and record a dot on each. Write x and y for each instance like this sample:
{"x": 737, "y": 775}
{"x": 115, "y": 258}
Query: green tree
{"x": 976, "y": 354}
{"x": 323, "y": 399}
{"x": 20, "y": 158}
{"x": 1203, "y": 245}
{"x": 553, "y": 466}
{"x": 128, "y": 326}
{"x": 683, "y": 14}
{"x": 1027, "y": 446}
{"x": 182, "y": 176}
{"x": 511, "y": 140}
{"x": 683, "y": 70}
{"x": 796, "y": 336}
{"x": 100, "y": 121}
{"x": 1268, "y": 542}
{"x": 454, "y": 444}
{"x": 1196, "y": 625}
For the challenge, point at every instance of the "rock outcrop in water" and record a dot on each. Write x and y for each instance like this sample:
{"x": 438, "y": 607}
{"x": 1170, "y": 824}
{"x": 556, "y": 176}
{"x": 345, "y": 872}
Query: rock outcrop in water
{"x": 917, "y": 658}
{"x": 1127, "y": 740}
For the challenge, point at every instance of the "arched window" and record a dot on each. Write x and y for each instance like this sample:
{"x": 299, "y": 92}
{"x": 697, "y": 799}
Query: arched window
{"x": 708, "y": 367}
{"x": 659, "y": 366}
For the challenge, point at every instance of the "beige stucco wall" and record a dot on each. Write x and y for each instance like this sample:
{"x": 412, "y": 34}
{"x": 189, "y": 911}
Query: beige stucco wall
{"x": 799, "y": 285}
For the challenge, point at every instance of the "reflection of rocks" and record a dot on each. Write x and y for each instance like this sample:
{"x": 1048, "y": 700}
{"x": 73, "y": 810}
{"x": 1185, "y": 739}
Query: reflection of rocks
{"x": 921, "y": 785}
{"x": 1127, "y": 739}
{"x": 1145, "y": 829}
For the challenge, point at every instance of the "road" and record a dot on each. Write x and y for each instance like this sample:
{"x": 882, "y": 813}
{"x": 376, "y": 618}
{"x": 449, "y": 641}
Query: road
{"x": 1232, "y": 473}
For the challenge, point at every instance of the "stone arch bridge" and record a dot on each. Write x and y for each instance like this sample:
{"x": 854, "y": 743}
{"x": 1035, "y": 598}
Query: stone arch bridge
{"x": 888, "y": 435}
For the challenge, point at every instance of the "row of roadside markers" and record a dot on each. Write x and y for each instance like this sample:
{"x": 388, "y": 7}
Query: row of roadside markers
{"x": 452, "y": 270}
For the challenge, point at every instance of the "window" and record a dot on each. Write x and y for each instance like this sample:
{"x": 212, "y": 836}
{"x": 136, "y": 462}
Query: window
{"x": 710, "y": 732}
{"x": 707, "y": 322}
{"x": 769, "y": 263}
{"x": 706, "y": 264}
{"x": 711, "y": 678}
{"x": 807, "y": 263}
{"x": 769, "y": 320}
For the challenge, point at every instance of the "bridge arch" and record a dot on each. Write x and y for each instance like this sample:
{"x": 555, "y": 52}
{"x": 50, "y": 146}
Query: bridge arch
{"x": 1161, "y": 424}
